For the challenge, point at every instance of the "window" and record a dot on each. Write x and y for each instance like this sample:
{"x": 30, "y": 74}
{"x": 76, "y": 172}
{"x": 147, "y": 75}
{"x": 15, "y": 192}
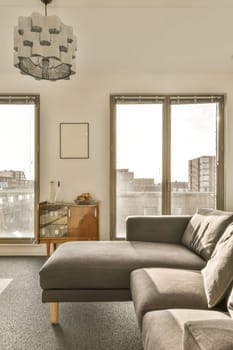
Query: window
{"x": 19, "y": 167}
{"x": 166, "y": 156}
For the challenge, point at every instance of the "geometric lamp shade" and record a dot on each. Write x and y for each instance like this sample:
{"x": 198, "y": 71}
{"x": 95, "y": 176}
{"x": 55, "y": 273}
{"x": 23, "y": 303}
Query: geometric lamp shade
{"x": 44, "y": 47}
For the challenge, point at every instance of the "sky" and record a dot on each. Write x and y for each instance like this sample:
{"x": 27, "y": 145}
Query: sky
{"x": 17, "y": 138}
{"x": 139, "y": 138}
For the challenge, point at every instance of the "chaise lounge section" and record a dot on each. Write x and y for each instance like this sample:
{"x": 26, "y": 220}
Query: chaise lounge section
{"x": 100, "y": 271}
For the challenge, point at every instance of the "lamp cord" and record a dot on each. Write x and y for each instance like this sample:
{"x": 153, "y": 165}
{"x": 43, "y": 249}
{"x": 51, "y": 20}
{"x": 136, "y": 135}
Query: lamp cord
{"x": 45, "y": 9}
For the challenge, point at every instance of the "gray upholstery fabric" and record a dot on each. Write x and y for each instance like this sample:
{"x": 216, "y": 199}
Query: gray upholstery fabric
{"x": 204, "y": 230}
{"x": 163, "y": 329}
{"x": 82, "y": 295}
{"x": 230, "y": 303}
{"x": 162, "y": 288}
{"x": 161, "y": 228}
{"x": 208, "y": 335}
{"x": 218, "y": 273}
{"x": 100, "y": 265}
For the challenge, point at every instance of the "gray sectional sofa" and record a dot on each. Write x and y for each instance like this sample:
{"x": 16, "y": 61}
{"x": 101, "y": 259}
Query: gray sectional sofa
{"x": 178, "y": 271}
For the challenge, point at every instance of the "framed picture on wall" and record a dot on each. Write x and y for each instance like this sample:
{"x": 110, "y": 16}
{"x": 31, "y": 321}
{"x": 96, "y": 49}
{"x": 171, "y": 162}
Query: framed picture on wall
{"x": 74, "y": 140}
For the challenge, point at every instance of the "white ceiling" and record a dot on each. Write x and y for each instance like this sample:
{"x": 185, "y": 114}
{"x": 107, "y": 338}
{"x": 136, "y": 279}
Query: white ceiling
{"x": 124, "y": 3}
{"x": 152, "y": 36}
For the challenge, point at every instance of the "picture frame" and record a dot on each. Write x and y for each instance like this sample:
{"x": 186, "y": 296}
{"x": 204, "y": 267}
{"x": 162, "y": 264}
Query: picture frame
{"x": 74, "y": 140}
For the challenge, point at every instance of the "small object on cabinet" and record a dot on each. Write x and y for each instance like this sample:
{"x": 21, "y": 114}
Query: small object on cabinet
{"x": 84, "y": 198}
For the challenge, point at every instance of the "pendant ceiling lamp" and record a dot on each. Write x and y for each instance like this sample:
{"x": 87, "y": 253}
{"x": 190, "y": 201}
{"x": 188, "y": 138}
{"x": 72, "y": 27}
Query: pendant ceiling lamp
{"x": 44, "y": 47}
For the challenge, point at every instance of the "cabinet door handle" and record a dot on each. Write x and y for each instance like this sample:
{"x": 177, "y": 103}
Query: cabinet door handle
{"x": 69, "y": 212}
{"x": 95, "y": 213}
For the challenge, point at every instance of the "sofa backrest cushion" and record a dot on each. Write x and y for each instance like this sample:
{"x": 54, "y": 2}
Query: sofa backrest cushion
{"x": 218, "y": 272}
{"x": 230, "y": 303}
{"x": 204, "y": 230}
{"x": 208, "y": 335}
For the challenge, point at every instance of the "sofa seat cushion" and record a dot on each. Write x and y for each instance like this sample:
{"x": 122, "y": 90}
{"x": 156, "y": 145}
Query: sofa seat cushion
{"x": 208, "y": 334}
{"x": 163, "y": 288}
{"x": 204, "y": 230}
{"x": 163, "y": 329}
{"x": 93, "y": 265}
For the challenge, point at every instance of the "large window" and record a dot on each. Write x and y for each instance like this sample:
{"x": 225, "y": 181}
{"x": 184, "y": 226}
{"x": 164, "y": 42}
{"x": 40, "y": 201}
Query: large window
{"x": 19, "y": 158}
{"x": 166, "y": 156}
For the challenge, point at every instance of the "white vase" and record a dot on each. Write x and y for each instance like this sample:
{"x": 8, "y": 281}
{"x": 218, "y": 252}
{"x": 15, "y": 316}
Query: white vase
{"x": 52, "y": 192}
{"x": 59, "y": 197}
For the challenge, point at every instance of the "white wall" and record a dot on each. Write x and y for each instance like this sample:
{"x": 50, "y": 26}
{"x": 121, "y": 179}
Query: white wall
{"x": 85, "y": 98}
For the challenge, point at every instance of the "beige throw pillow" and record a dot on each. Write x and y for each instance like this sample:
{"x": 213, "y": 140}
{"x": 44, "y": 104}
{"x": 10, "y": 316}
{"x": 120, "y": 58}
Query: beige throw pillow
{"x": 218, "y": 272}
{"x": 204, "y": 230}
{"x": 230, "y": 304}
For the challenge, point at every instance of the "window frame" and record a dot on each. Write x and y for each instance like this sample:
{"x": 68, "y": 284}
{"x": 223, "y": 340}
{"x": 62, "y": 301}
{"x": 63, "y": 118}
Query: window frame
{"x": 167, "y": 100}
{"x": 6, "y": 98}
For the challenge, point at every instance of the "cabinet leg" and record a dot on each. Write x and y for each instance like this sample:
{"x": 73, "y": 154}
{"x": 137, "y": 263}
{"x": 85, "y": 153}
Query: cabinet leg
{"x": 54, "y": 313}
{"x": 48, "y": 248}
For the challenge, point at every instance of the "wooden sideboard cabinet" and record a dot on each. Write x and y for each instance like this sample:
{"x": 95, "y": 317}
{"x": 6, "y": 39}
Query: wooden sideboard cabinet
{"x": 63, "y": 222}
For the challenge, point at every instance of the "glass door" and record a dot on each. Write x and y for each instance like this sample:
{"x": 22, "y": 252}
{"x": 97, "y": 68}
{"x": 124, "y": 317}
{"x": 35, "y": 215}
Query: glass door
{"x": 167, "y": 156}
{"x": 18, "y": 168}
{"x": 193, "y": 157}
{"x": 138, "y": 161}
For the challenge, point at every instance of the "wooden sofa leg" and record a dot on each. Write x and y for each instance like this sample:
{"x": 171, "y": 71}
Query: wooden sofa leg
{"x": 54, "y": 313}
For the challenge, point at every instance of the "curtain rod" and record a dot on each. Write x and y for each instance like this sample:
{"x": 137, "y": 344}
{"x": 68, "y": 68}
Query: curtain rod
{"x": 13, "y": 99}
{"x": 174, "y": 99}
{"x": 193, "y": 97}
{"x": 139, "y": 97}
{"x": 162, "y": 97}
